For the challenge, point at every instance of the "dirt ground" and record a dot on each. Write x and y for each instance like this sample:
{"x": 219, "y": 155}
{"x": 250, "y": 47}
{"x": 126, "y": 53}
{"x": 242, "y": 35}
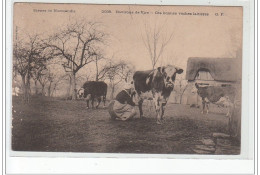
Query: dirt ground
{"x": 50, "y": 124}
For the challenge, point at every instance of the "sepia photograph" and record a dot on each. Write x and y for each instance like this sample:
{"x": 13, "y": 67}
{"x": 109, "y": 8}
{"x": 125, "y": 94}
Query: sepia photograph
{"x": 138, "y": 79}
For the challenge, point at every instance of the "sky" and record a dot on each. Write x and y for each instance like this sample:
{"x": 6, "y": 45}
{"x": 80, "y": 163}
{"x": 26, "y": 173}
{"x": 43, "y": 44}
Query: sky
{"x": 215, "y": 33}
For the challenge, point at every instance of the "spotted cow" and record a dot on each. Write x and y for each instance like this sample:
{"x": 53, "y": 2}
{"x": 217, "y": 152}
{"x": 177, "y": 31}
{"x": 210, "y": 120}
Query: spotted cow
{"x": 160, "y": 82}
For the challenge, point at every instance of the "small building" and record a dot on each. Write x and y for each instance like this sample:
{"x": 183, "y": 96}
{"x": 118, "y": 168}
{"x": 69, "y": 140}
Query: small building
{"x": 213, "y": 71}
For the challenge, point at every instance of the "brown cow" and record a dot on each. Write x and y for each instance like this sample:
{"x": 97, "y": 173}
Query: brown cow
{"x": 221, "y": 96}
{"x": 94, "y": 90}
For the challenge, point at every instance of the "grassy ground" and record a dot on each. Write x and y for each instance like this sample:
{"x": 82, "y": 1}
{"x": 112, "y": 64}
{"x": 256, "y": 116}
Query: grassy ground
{"x": 48, "y": 124}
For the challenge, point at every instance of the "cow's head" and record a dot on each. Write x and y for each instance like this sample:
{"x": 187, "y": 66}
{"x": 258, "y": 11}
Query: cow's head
{"x": 169, "y": 74}
{"x": 194, "y": 89}
{"x": 163, "y": 80}
{"x": 200, "y": 89}
{"x": 81, "y": 93}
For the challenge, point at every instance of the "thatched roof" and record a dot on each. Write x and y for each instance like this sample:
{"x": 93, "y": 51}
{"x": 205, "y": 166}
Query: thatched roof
{"x": 221, "y": 69}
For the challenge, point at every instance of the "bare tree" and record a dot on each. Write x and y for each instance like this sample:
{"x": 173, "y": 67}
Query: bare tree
{"x": 125, "y": 71}
{"x": 84, "y": 77}
{"x": 155, "y": 42}
{"x": 29, "y": 56}
{"x": 20, "y": 63}
{"x": 108, "y": 68}
{"x": 56, "y": 83}
{"x": 118, "y": 72}
{"x": 43, "y": 80}
{"x": 77, "y": 45}
{"x": 100, "y": 73}
{"x": 38, "y": 72}
{"x": 55, "y": 75}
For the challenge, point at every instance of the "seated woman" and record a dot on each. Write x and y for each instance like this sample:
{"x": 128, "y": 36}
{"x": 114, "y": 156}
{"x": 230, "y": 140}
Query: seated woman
{"x": 122, "y": 108}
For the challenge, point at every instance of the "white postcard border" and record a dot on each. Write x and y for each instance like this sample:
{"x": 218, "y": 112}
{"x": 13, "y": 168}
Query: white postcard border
{"x": 131, "y": 163}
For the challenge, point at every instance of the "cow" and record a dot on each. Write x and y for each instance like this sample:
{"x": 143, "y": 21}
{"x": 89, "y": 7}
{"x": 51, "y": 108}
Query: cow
{"x": 160, "y": 82}
{"x": 95, "y": 90}
{"x": 221, "y": 96}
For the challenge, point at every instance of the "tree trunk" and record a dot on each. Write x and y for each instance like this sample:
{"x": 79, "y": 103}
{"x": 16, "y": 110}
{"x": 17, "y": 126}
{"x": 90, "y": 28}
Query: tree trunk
{"x": 73, "y": 85}
{"x": 27, "y": 88}
{"x": 197, "y": 95}
{"x": 24, "y": 88}
{"x": 26, "y": 94}
{"x": 96, "y": 69}
{"x": 69, "y": 88}
{"x": 27, "y": 81}
{"x": 23, "y": 84}
{"x": 53, "y": 90}
{"x": 181, "y": 97}
{"x": 43, "y": 93}
{"x": 112, "y": 91}
{"x": 35, "y": 86}
{"x": 49, "y": 89}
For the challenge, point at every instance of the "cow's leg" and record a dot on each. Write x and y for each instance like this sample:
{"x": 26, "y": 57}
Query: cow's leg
{"x": 230, "y": 107}
{"x": 203, "y": 105}
{"x": 159, "y": 113}
{"x": 92, "y": 101}
{"x": 229, "y": 115}
{"x": 98, "y": 101}
{"x": 158, "y": 108}
{"x": 104, "y": 100}
{"x": 163, "y": 109}
{"x": 88, "y": 98}
{"x": 87, "y": 103}
{"x": 151, "y": 105}
{"x": 207, "y": 106}
{"x": 140, "y": 104}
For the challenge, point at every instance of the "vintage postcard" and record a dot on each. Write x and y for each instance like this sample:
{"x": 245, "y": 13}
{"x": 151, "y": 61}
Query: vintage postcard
{"x": 133, "y": 79}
